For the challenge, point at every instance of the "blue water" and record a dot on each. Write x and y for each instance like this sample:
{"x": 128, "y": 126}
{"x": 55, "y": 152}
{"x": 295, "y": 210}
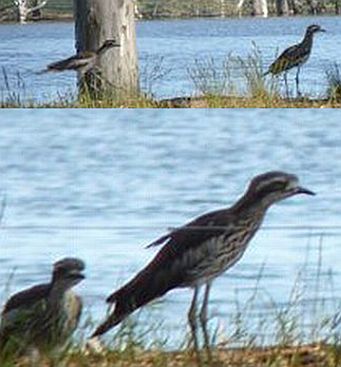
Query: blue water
{"x": 102, "y": 184}
{"x": 27, "y": 49}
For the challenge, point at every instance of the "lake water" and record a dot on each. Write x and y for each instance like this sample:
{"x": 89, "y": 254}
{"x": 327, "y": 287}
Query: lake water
{"x": 28, "y": 49}
{"x": 102, "y": 184}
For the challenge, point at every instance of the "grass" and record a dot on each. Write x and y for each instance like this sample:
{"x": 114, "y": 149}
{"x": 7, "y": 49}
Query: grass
{"x": 333, "y": 77}
{"x": 234, "y": 82}
{"x": 291, "y": 333}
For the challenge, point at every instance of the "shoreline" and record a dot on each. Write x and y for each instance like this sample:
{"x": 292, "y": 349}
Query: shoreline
{"x": 68, "y": 17}
{"x": 307, "y": 355}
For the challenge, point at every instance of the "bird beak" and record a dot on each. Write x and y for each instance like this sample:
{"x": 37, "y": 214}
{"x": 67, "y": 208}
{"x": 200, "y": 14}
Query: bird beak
{"x": 77, "y": 275}
{"x": 302, "y": 190}
{"x": 322, "y": 30}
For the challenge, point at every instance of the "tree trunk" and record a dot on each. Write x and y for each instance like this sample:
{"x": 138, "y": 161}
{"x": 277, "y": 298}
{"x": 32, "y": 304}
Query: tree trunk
{"x": 294, "y": 7}
{"x": 240, "y": 7}
{"x": 36, "y": 13}
{"x": 24, "y": 9}
{"x": 222, "y": 8}
{"x": 100, "y": 20}
{"x": 282, "y": 7}
{"x": 155, "y": 9}
{"x": 337, "y": 7}
{"x": 260, "y": 8}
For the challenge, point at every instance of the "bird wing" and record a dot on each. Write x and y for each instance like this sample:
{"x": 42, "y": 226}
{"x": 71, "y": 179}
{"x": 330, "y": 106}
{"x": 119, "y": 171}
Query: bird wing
{"x": 27, "y": 297}
{"x": 175, "y": 245}
{"x": 289, "y": 58}
{"x": 18, "y": 313}
{"x": 205, "y": 226}
{"x": 170, "y": 267}
{"x": 72, "y": 63}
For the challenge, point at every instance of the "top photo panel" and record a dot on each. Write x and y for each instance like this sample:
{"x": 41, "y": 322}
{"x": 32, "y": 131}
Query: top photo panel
{"x": 170, "y": 53}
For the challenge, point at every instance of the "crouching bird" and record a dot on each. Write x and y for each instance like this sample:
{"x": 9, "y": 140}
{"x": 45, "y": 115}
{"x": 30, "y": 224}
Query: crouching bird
{"x": 195, "y": 254}
{"x": 83, "y": 61}
{"x": 43, "y": 317}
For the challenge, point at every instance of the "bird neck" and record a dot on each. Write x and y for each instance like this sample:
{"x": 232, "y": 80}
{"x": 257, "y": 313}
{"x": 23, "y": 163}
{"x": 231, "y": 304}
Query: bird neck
{"x": 102, "y": 49}
{"x": 251, "y": 204}
{"x": 57, "y": 291}
{"x": 308, "y": 39}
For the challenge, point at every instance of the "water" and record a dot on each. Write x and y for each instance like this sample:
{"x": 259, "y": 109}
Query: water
{"x": 102, "y": 184}
{"x": 28, "y": 49}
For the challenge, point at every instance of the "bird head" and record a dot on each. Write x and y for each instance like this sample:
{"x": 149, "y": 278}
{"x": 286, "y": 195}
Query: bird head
{"x": 68, "y": 272}
{"x": 110, "y": 43}
{"x": 314, "y": 28}
{"x": 274, "y": 186}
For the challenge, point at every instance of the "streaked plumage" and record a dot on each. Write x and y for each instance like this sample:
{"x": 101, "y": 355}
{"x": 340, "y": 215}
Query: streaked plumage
{"x": 195, "y": 254}
{"x": 295, "y": 56}
{"x": 44, "y": 316}
{"x": 84, "y": 61}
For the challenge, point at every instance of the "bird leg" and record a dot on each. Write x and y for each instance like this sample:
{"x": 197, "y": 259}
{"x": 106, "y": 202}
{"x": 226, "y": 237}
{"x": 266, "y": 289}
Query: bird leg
{"x": 203, "y": 321}
{"x": 286, "y": 84}
{"x": 297, "y": 82}
{"x": 193, "y": 323}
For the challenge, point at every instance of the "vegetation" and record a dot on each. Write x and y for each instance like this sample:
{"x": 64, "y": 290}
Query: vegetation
{"x": 300, "y": 331}
{"x": 234, "y": 82}
{"x": 204, "y": 8}
{"x": 333, "y": 76}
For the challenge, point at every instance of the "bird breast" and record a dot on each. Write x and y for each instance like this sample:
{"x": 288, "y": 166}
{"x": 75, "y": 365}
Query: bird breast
{"x": 216, "y": 255}
{"x": 72, "y": 306}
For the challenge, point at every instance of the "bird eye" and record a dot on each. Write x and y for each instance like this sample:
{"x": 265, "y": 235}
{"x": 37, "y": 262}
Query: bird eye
{"x": 277, "y": 186}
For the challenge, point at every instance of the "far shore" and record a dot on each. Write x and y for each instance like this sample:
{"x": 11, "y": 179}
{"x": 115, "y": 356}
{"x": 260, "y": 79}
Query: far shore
{"x": 68, "y": 17}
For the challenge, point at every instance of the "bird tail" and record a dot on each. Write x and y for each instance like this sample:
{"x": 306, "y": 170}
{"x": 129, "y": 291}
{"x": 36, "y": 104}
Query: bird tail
{"x": 135, "y": 294}
{"x": 266, "y": 73}
{"x": 121, "y": 311}
{"x": 44, "y": 71}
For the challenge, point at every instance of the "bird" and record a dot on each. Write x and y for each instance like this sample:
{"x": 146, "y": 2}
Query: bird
{"x": 43, "y": 317}
{"x": 83, "y": 62}
{"x": 295, "y": 56}
{"x": 195, "y": 254}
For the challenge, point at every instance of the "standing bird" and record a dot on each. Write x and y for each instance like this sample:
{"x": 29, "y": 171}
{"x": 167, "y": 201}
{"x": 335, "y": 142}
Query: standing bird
{"x": 295, "y": 56}
{"x": 195, "y": 254}
{"x": 43, "y": 317}
{"x": 84, "y": 61}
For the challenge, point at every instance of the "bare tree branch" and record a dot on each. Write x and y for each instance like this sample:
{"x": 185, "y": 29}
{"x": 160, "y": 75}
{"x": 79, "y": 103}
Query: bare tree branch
{"x": 37, "y": 7}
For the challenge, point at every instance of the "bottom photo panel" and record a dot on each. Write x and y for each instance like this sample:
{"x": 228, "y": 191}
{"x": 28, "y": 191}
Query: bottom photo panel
{"x": 170, "y": 238}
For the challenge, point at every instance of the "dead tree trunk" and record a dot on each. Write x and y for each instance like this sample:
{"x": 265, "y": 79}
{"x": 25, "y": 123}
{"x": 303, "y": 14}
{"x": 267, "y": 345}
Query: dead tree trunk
{"x": 260, "y": 8}
{"x": 222, "y": 9}
{"x": 24, "y": 8}
{"x": 282, "y": 7}
{"x": 240, "y": 7}
{"x": 100, "y": 20}
{"x": 155, "y": 9}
